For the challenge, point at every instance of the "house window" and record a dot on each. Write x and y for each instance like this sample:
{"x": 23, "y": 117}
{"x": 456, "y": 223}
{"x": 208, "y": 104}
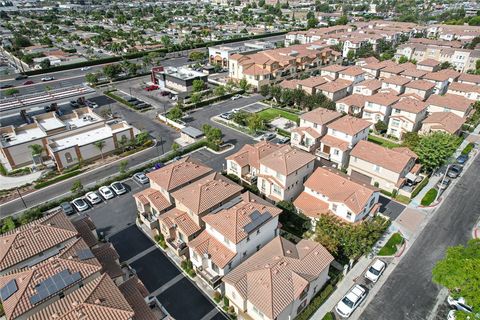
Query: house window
{"x": 396, "y": 110}
{"x": 371, "y": 202}
{"x": 181, "y": 236}
{"x": 258, "y": 247}
{"x": 277, "y": 190}
{"x": 336, "y": 152}
{"x": 376, "y": 168}
{"x": 230, "y": 268}
{"x": 68, "y": 157}
{"x": 215, "y": 268}
{"x": 349, "y": 215}
{"x": 244, "y": 254}
{"x": 395, "y": 122}
{"x": 248, "y": 238}
{"x": 334, "y": 207}
{"x": 258, "y": 231}
{"x": 258, "y": 312}
{"x": 195, "y": 255}
{"x": 233, "y": 167}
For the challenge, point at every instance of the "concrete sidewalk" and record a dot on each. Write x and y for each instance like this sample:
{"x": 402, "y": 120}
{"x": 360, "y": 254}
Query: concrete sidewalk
{"x": 14, "y": 182}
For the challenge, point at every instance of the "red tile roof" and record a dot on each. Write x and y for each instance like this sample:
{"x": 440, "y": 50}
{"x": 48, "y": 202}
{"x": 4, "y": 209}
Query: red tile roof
{"x": 349, "y": 125}
{"x": 410, "y": 105}
{"x": 204, "y": 243}
{"x": 181, "y": 220}
{"x": 321, "y": 116}
{"x": 135, "y": 293}
{"x": 451, "y": 101}
{"x": 251, "y": 154}
{"x": 445, "y": 121}
{"x": 287, "y": 160}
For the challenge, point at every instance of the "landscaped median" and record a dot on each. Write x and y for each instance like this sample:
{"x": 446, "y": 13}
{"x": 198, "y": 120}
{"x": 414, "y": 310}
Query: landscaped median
{"x": 392, "y": 245}
{"x": 429, "y": 197}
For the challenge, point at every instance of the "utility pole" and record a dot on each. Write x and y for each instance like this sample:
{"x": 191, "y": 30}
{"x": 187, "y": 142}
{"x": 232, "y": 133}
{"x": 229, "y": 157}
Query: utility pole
{"x": 21, "y": 198}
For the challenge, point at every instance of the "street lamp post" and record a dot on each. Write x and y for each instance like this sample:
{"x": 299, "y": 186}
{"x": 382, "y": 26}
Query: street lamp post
{"x": 443, "y": 179}
{"x": 21, "y": 198}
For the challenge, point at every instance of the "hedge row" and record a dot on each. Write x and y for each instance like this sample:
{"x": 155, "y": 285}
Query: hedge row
{"x": 136, "y": 55}
{"x": 419, "y": 188}
{"x": 57, "y": 179}
{"x": 468, "y": 149}
{"x": 211, "y": 100}
{"x": 117, "y": 98}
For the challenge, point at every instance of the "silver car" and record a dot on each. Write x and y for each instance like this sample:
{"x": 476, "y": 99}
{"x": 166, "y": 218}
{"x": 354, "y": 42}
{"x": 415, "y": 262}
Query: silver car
{"x": 140, "y": 177}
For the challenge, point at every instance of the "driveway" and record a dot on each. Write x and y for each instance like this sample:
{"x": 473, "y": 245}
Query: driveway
{"x": 390, "y": 208}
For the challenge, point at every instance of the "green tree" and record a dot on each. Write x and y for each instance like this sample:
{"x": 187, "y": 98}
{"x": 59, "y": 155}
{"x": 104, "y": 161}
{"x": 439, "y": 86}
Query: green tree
{"x": 45, "y": 64}
{"x": 244, "y": 85}
{"x": 175, "y": 147}
{"x": 255, "y": 123}
{"x": 196, "y": 56}
{"x": 380, "y": 126}
{"x": 122, "y": 166}
{"x": 213, "y": 135}
{"x": 241, "y": 117}
{"x": 91, "y": 78}
{"x": 123, "y": 142}
{"x": 298, "y": 95}
{"x": 411, "y": 140}
{"x": 265, "y": 90}
{"x": 175, "y": 113}
{"x": 100, "y": 145}
{"x": 196, "y": 98}
{"x": 198, "y": 85}
{"x": 77, "y": 187}
{"x": 10, "y": 92}
{"x": 343, "y": 20}
{"x": 434, "y": 149}
{"x": 312, "y": 22}
{"x": 276, "y": 92}
{"x": 142, "y": 138}
{"x": 350, "y": 55}
{"x": 287, "y": 96}
{"x": 111, "y": 71}
{"x": 8, "y": 225}
{"x": 36, "y": 151}
{"x": 460, "y": 274}
{"x": 166, "y": 41}
{"x": 219, "y": 91}
{"x": 402, "y": 59}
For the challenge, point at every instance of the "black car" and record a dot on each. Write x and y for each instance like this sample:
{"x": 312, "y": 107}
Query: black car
{"x": 6, "y": 86}
{"x": 21, "y": 77}
{"x": 67, "y": 208}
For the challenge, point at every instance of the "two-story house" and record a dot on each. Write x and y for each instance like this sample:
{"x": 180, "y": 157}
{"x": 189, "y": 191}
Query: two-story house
{"x": 367, "y": 87}
{"x": 342, "y": 135}
{"x": 407, "y": 115}
{"x": 456, "y": 104}
{"x": 396, "y": 83}
{"x": 183, "y": 223}
{"x": 328, "y": 191}
{"x": 279, "y": 281}
{"x": 372, "y": 70}
{"x": 413, "y": 74}
{"x": 421, "y": 88}
{"x": 379, "y": 107}
{"x": 447, "y": 122}
{"x": 430, "y": 65}
{"x": 245, "y": 163}
{"x": 233, "y": 233}
{"x": 469, "y": 91}
{"x": 439, "y": 79}
{"x": 387, "y": 169}
{"x": 313, "y": 125}
{"x": 355, "y": 74}
{"x": 283, "y": 172}
{"x": 332, "y": 71}
{"x": 352, "y": 104}
{"x": 157, "y": 199}
{"x": 336, "y": 90}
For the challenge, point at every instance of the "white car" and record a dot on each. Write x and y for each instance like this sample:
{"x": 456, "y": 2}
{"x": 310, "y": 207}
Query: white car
{"x": 140, "y": 177}
{"x": 459, "y": 304}
{"x": 235, "y": 97}
{"x": 106, "y": 192}
{"x": 351, "y": 301}
{"x": 93, "y": 197}
{"x": 80, "y": 204}
{"x": 85, "y": 68}
{"x": 451, "y": 315}
{"x": 118, "y": 188}
{"x": 47, "y": 79}
{"x": 375, "y": 270}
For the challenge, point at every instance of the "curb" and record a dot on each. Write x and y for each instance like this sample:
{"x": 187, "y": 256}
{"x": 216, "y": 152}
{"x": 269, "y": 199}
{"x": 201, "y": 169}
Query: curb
{"x": 433, "y": 205}
{"x": 402, "y": 249}
{"x": 476, "y": 233}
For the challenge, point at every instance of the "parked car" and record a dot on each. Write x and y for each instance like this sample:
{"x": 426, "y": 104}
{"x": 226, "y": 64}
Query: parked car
{"x": 28, "y": 82}
{"x": 74, "y": 104}
{"x": 375, "y": 271}
{"x": 47, "y": 79}
{"x": 164, "y": 93}
{"x": 443, "y": 184}
{"x": 143, "y": 106}
{"x": 140, "y": 177}
{"x": 67, "y": 208}
{"x": 137, "y": 102}
{"x": 461, "y": 159}
{"x": 85, "y": 68}
{"x": 93, "y": 197}
{"x": 132, "y": 99}
{"x": 91, "y": 104}
{"x": 269, "y": 136}
{"x": 151, "y": 88}
{"x": 106, "y": 192}
{"x": 351, "y": 301}
{"x": 459, "y": 304}
{"x": 6, "y": 86}
{"x": 235, "y": 97}
{"x": 80, "y": 204}
{"x": 118, "y": 188}
{"x": 454, "y": 171}
{"x": 284, "y": 140}
{"x": 226, "y": 115}
{"x": 21, "y": 77}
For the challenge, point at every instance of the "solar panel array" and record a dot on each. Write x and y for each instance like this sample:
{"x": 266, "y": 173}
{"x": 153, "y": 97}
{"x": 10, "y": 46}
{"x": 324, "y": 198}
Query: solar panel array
{"x": 8, "y": 289}
{"x": 54, "y": 284}
{"x": 85, "y": 254}
{"x": 257, "y": 220}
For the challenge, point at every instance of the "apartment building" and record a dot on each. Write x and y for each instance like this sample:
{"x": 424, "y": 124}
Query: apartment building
{"x": 283, "y": 172}
{"x": 232, "y": 234}
{"x": 469, "y": 91}
{"x": 157, "y": 199}
{"x": 183, "y": 223}
{"x": 456, "y": 104}
{"x": 447, "y": 122}
{"x": 378, "y": 107}
{"x": 328, "y": 191}
{"x": 407, "y": 116}
{"x": 272, "y": 66}
{"x": 313, "y": 125}
{"x": 420, "y": 88}
{"x": 64, "y": 139}
{"x": 342, "y": 135}
{"x": 245, "y": 163}
{"x": 387, "y": 169}
{"x": 278, "y": 281}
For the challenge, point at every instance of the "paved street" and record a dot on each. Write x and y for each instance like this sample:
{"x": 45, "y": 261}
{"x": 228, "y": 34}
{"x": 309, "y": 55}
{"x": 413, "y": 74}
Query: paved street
{"x": 409, "y": 293}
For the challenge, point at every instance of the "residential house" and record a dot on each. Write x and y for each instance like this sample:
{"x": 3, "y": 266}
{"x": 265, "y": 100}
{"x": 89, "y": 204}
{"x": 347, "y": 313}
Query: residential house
{"x": 421, "y": 88}
{"x": 183, "y": 223}
{"x": 396, "y": 83}
{"x": 392, "y": 70}
{"x": 232, "y": 234}
{"x": 469, "y": 91}
{"x": 332, "y": 71}
{"x": 440, "y": 80}
{"x": 157, "y": 199}
{"x": 407, "y": 115}
{"x": 342, "y": 135}
{"x": 459, "y": 105}
{"x": 245, "y": 163}
{"x": 367, "y": 87}
{"x": 278, "y": 281}
{"x": 372, "y": 70}
{"x": 430, "y": 65}
{"x": 311, "y": 84}
{"x": 336, "y": 90}
{"x": 388, "y": 169}
{"x": 313, "y": 125}
{"x": 355, "y": 74}
{"x": 447, "y": 122}
{"x": 469, "y": 78}
{"x": 328, "y": 191}
{"x": 352, "y": 104}
{"x": 413, "y": 74}
{"x": 379, "y": 107}
{"x": 283, "y": 172}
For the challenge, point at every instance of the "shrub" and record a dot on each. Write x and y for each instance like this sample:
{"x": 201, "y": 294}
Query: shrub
{"x": 217, "y": 296}
{"x": 57, "y": 179}
{"x": 226, "y": 302}
{"x": 316, "y": 302}
{"x": 429, "y": 197}
{"x": 391, "y": 246}
{"x": 468, "y": 149}
{"x": 328, "y": 316}
{"x": 3, "y": 171}
{"x": 419, "y": 188}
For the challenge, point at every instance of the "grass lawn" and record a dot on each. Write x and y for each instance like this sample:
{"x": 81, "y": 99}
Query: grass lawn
{"x": 390, "y": 248}
{"x": 272, "y": 113}
{"x": 402, "y": 199}
{"x": 383, "y": 142}
{"x": 429, "y": 197}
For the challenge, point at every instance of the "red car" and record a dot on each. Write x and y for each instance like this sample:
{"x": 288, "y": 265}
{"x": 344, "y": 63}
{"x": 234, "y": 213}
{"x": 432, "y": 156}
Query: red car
{"x": 151, "y": 88}
{"x": 26, "y": 83}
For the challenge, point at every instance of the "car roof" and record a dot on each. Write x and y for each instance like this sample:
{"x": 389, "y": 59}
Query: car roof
{"x": 352, "y": 297}
{"x": 357, "y": 290}
{"x": 378, "y": 264}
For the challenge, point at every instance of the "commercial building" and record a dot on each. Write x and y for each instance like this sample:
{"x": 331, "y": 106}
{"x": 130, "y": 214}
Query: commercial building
{"x": 179, "y": 80}
{"x": 220, "y": 54}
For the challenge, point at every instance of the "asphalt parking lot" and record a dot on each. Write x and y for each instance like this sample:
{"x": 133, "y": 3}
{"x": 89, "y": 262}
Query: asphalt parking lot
{"x": 181, "y": 298}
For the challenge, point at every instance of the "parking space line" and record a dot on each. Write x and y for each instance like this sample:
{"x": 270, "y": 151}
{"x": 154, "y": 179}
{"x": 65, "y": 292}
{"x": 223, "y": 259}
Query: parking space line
{"x": 210, "y": 315}
{"x": 141, "y": 254}
{"x": 167, "y": 285}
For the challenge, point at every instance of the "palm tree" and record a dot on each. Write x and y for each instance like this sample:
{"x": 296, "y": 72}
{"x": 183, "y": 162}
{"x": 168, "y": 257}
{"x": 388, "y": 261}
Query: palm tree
{"x": 36, "y": 151}
{"x": 100, "y": 145}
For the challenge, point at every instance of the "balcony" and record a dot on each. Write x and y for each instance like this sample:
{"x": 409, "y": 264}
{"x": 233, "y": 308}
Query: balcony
{"x": 178, "y": 246}
{"x": 323, "y": 155}
{"x": 248, "y": 178}
{"x": 210, "y": 276}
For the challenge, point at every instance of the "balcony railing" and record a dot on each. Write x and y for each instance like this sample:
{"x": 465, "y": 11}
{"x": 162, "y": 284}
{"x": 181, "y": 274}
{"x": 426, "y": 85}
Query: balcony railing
{"x": 322, "y": 154}
{"x": 213, "y": 280}
{"x": 177, "y": 245}
{"x": 248, "y": 178}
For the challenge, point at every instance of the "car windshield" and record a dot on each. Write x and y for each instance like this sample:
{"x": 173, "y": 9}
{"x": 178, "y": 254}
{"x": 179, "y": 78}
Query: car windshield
{"x": 374, "y": 271}
{"x": 347, "y": 302}
{"x": 117, "y": 186}
{"x": 65, "y": 206}
{"x": 79, "y": 202}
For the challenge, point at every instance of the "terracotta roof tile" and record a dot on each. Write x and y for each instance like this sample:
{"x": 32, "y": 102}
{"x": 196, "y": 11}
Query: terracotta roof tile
{"x": 287, "y": 160}
{"x": 312, "y": 82}
{"x": 108, "y": 257}
{"x": 311, "y": 206}
{"x": 321, "y": 116}
{"x": 446, "y": 121}
{"x": 451, "y": 101}
{"x": 335, "y": 85}
{"x": 204, "y": 243}
{"x": 397, "y": 80}
{"x": 251, "y": 154}
{"x": 350, "y": 125}
{"x": 277, "y": 274}
{"x": 302, "y": 130}
{"x": 352, "y": 71}
{"x": 415, "y": 73}
{"x": 436, "y": 76}
{"x": 135, "y": 292}
{"x": 420, "y": 85}
{"x": 334, "y": 68}
{"x": 429, "y": 63}
{"x": 463, "y": 87}
{"x": 383, "y": 98}
{"x": 469, "y": 78}
{"x": 334, "y": 142}
{"x": 357, "y": 100}
{"x": 410, "y": 105}
{"x": 181, "y": 220}
{"x": 84, "y": 228}
{"x": 372, "y": 84}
